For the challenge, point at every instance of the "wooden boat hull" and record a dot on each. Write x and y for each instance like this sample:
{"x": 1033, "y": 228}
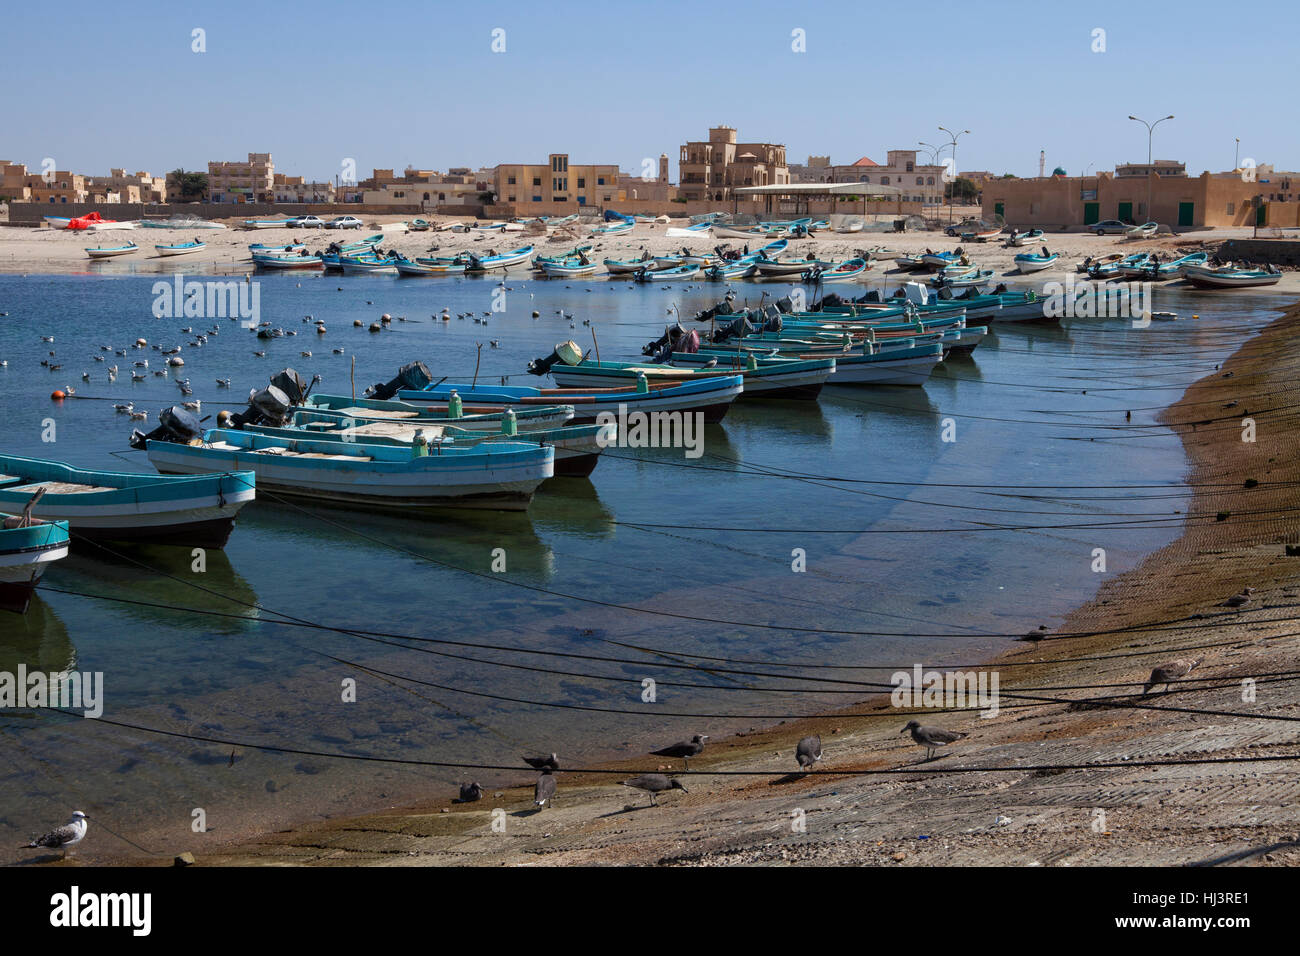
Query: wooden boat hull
{"x": 1206, "y": 278}
{"x": 107, "y": 506}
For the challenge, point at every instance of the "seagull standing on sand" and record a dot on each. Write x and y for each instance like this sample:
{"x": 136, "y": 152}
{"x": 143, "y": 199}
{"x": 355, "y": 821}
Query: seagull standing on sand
{"x": 808, "y": 752}
{"x": 930, "y": 737}
{"x": 684, "y": 749}
{"x": 1169, "y": 672}
{"x": 470, "y": 792}
{"x": 1238, "y": 600}
{"x": 545, "y": 790}
{"x": 654, "y": 783}
{"x": 60, "y": 838}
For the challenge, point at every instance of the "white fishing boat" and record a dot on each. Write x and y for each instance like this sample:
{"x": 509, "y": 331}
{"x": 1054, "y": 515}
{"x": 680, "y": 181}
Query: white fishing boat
{"x": 109, "y": 252}
{"x": 569, "y": 269}
{"x": 180, "y": 248}
{"x": 1206, "y": 277}
{"x": 1144, "y": 231}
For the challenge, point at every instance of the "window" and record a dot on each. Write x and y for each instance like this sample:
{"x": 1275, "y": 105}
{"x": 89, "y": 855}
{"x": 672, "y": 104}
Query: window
{"x": 537, "y": 180}
{"x": 600, "y": 180}
{"x": 909, "y": 167}
{"x": 929, "y": 180}
{"x": 1230, "y": 208}
{"x": 535, "y": 199}
{"x": 884, "y": 180}
{"x": 920, "y": 180}
{"x": 864, "y": 179}
{"x": 582, "y": 182}
{"x": 512, "y": 198}
{"x": 510, "y": 180}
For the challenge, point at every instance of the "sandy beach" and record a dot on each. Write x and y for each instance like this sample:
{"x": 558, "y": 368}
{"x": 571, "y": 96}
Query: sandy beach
{"x": 44, "y": 250}
{"x": 1167, "y": 781}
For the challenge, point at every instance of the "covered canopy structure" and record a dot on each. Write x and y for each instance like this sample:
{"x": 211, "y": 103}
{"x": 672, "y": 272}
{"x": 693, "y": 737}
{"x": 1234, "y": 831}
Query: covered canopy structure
{"x": 803, "y": 194}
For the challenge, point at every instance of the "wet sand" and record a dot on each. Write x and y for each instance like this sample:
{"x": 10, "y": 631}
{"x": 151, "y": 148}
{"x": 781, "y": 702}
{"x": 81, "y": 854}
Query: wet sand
{"x": 1001, "y": 795}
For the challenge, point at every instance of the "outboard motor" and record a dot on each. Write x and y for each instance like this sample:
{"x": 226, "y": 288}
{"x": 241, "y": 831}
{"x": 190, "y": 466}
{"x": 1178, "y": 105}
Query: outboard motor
{"x": 784, "y": 305}
{"x": 175, "y": 424}
{"x": 671, "y": 334}
{"x": 737, "y": 328}
{"x": 414, "y": 376}
{"x": 567, "y": 352}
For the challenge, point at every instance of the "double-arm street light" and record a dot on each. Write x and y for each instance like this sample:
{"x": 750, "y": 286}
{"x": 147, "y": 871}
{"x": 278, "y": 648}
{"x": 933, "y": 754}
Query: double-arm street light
{"x": 1151, "y": 127}
{"x": 953, "y": 185}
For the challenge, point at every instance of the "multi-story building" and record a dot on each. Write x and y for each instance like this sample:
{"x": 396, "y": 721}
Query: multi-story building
{"x": 296, "y": 189}
{"x": 522, "y": 185}
{"x": 424, "y": 188}
{"x": 252, "y": 180}
{"x": 13, "y": 181}
{"x": 1162, "y": 167}
{"x": 919, "y": 182}
{"x": 60, "y": 186}
{"x": 711, "y": 169}
{"x": 816, "y": 170}
{"x": 127, "y": 187}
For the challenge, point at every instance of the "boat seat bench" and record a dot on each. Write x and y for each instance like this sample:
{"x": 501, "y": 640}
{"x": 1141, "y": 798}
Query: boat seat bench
{"x": 62, "y": 488}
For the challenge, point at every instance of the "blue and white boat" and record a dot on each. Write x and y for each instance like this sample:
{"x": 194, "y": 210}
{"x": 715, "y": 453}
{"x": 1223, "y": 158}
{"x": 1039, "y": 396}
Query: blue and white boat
{"x": 120, "y": 506}
{"x": 274, "y": 261}
{"x": 1028, "y": 262}
{"x": 108, "y": 252}
{"x": 502, "y": 260}
{"x": 689, "y": 271}
{"x": 498, "y": 476}
{"x": 614, "y": 229}
{"x": 27, "y": 547}
{"x": 180, "y": 248}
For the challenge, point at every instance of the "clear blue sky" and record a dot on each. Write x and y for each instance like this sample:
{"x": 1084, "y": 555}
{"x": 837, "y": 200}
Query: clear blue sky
{"x": 396, "y": 83}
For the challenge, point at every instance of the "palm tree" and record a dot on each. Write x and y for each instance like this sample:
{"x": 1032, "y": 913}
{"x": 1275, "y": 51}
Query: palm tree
{"x": 191, "y": 187}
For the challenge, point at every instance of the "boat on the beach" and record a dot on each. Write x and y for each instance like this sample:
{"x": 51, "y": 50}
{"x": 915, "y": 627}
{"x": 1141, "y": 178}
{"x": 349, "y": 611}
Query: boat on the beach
{"x": 28, "y": 545}
{"x": 782, "y": 268}
{"x": 1027, "y": 262}
{"x": 627, "y": 266}
{"x": 180, "y": 222}
{"x": 180, "y": 248}
{"x": 120, "y": 506}
{"x": 503, "y": 260}
{"x": 734, "y": 269}
{"x": 845, "y": 271}
{"x": 569, "y": 268}
{"x": 1024, "y": 238}
{"x": 368, "y": 263}
{"x": 108, "y": 252}
{"x": 422, "y": 267}
{"x": 274, "y": 261}
{"x": 497, "y": 475}
{"x": 968, "y": 279}
{"x": 688, "y": 271}
{"x": 1144, "y": 231}
{"x": 266, "y": 223}
{"x": 935, "y": 261}
{"x": 1207, "y": 277}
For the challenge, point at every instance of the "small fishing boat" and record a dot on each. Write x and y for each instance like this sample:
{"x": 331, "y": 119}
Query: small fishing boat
{"x": 502, "y": 260}
{"x": 266, "y": 223}
{"x": 781, "y": 268}
{"x": 699, "y": 230}
{"x": 711, "y": 396}
{"x": 57, "y": 222}
{"x": 1024, "y": 238}
{"x": 569, "y": 268}
{"x": 791, "y": 379}
{"x": 613, "y": 229}
{"x": 539, "y": 260}
{"x": 181, "y": 222}
{"x": 490, "y": 227}
{"x": 278, "y": 261}
{"x": 846, "y": 271}
{"x": 108, "y": 252}
{"x": 422, "y": 267}
{"x": 688, "y": 271}
{"x": 293, "y": 247}
{"x": 496, "y": 475}
{"x": 1099, "y": 262}
{"x": 1148, "y": 266}
{"x": 418, "y": 225}
{"x": 477, "y": 417}
{"x": 119, "y": 506}
{"x": 735, "y": 269}
{"x": 1144, "y": 231}
{"x": 28, "y": 546}
{"x": 368, "y": 265}
{"x": 1028, "y": 262}
{"x": 627, "y": 266}
{"x": 934, "y": 261}
{"x": 180, "y": 248}
{"x": 878, "y": 253}
{"x": 968, "y": 279}
{"x": 1206, "y": 277}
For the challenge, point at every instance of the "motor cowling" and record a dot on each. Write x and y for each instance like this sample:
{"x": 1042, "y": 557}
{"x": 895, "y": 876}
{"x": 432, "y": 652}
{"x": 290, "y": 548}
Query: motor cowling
{"x": 567, "y": 352}
{"x": 413, "y": 376}
{"x": 176, "y": 424}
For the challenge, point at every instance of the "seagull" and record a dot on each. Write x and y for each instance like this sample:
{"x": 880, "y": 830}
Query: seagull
{"x": 1238, "y": 600}
{"x": 123, "y": 409}
{"x": 138, "y": 376}
{"x": 684, "y": 749}
{"x": 47, "y": 338}
{"x": 223, "y": 383}
{"x": 60, "y": 838}
{"x": 543, "y": 763}
{"x": 808, "y": 752}
{"x": 192, "y": 406}
{"x": 470, "y": 792}
{"x": 930, "y": 737}
{"x": 1169, "y": 672}
{"x": 655, "y": 783}
{"x": 545, "y": 790}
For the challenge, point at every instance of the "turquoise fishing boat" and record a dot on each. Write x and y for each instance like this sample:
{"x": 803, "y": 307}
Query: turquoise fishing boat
{"x": 28, "y": 546}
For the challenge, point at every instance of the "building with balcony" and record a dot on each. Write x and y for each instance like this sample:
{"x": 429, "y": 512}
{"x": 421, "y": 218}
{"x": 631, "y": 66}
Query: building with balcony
{"x": 523, "y": 186}
{"x": 252, "y": 180}
{"x": 712, "y": 168}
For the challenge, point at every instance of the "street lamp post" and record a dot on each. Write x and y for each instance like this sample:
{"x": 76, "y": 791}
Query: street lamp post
{"x": 1236, "y": 154}
{"x": 1151, "y": 127}
{"x": 954, "y": 137}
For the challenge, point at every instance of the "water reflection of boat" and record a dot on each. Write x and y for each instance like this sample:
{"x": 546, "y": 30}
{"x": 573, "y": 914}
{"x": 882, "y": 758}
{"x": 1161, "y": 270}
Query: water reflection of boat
{"x": 155, "y": 575}
{"x": 38, "y": 640}
{"x": 573, "y": 506}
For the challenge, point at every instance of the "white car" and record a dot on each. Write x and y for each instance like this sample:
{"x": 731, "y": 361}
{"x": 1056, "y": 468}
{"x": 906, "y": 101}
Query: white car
{"x": 306, "y": 222}
{"x": 344, "y": 222}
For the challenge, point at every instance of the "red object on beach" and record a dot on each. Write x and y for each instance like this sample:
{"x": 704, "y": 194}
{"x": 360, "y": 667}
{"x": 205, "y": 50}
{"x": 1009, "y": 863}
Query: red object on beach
{"x": 83, "y": 222}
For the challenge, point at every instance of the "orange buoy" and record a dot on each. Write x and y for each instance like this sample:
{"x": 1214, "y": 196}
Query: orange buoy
{"x": 58, "y": 395}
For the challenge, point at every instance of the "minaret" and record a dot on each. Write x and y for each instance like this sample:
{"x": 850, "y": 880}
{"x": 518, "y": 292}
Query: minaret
{"x": 663, "y": 167}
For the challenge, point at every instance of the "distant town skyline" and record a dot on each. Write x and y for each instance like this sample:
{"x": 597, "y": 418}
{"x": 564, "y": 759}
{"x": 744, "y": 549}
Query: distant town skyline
{"x": 422, "y": 86}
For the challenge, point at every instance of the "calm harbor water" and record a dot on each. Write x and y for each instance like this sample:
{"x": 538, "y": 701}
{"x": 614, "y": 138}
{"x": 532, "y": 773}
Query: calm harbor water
{"x": 653, "y": 559}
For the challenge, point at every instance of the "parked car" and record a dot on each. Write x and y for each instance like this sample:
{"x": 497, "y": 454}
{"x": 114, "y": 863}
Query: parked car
{"x": 1109, "y": 227}
{"x": 307, "y": 222}
{"x": 344, "y": 222}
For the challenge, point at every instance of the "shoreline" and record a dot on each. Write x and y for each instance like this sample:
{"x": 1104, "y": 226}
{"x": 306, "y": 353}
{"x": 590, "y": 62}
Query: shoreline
{"x": 852, "y": 817}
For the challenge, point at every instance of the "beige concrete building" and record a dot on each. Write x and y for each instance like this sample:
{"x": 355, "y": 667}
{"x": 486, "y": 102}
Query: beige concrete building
{"x": 816, "y": 170}
{"x": 712, "y": 168}
{"x": 296, "y": 189}
{"x": 1179, "y": 201}
{"x": 61, "y": 187}
{"x": 128, "y": 187}
{"x": 522, "y": 185}
{"x": 634, "y": 187}
{"x": 919, "y": 182}
{"x": 252, "y": 180}
{"x": 13, "y": 181}
{"x": 425, "y": 188}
